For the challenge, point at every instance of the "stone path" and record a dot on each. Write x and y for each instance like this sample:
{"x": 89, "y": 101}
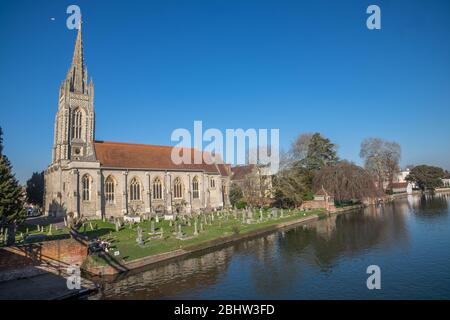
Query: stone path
{"x": 46, "y": 286}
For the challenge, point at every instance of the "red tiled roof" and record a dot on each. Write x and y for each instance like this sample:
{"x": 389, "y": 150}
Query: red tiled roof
{"x": 145, "y": 156}
{"x": 398, "y": 185}
{"x": 239, "y": 172}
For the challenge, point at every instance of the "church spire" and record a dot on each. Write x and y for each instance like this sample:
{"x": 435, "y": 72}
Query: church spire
{"x": 77, "y": 75}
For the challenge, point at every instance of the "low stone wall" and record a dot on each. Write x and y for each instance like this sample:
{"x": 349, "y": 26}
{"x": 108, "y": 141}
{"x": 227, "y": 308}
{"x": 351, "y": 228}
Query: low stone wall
{"x": 52, "y": 254}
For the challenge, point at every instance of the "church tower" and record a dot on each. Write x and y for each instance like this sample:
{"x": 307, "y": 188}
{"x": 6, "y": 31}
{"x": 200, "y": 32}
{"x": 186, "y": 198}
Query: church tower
{"x": 75, "y": 119}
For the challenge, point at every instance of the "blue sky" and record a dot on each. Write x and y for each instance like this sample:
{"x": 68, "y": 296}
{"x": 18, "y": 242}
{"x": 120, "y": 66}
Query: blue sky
{"x": 300, "y": 66}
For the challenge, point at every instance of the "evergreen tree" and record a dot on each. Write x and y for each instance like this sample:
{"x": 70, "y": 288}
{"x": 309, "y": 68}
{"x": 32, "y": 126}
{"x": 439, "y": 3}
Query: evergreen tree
{"x": 12, "y": 209}
{"x": 35, "y": 189}
{"x": 321, "y": 153}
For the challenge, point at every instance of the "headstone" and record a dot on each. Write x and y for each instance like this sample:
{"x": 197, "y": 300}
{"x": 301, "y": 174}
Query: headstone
{"x": 139, "y": 239}
{"x": 260, "y": 215}
{"x": 201, "y": 226}
{"x": 274, "y": 213}
{"x": 65, "y": 222}
{"x": 157, "y": 219}
{"x": 170, "y": 223}
{"x": 189, "y": 222}
{"x": 117, "y": 225}
{"x": 281, "y": 214}
{"x": 152, "y": 227}
{"x": 50, "y": 230}
{"x": 179, "y": 233}
{"x": 91, "y": 226}
{"x": 162, "y": 233}
{"x": 195, "y": 228}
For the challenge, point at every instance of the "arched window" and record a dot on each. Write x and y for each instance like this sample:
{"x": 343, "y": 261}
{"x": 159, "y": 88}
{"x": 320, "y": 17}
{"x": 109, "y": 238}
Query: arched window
{"x": 212, "y": 183}
{"x": 76, "y": 124}
{"x": 157, "y": 189}
{"x": 177, "y": 189}
{"x": 195, "y": 193}
{"x": 109, "y": 190}
{"x": 86, "y": 187}
{"x": 135, "y": 190}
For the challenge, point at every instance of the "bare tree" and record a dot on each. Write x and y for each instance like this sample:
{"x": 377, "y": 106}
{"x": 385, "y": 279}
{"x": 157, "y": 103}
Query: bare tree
{"x": 345, "y": 181}
{"x": 381, "y": 159}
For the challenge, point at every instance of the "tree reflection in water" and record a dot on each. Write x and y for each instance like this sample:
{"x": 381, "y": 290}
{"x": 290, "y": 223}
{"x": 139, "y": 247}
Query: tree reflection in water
{"x": 276, "y": 265}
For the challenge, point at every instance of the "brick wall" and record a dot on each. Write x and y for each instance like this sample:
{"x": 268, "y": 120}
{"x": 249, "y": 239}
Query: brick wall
{"x": 58, "y": 253}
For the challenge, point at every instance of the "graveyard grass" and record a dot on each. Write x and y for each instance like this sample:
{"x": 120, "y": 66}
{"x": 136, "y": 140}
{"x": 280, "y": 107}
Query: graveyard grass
{"x": 124, "y": 241}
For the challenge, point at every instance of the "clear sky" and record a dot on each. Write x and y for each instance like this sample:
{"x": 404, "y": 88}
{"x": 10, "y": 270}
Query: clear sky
{"x": 300, "y": 66}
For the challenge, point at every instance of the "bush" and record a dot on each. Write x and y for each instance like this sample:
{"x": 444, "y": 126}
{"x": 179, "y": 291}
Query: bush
{"x": 241, "y": 204}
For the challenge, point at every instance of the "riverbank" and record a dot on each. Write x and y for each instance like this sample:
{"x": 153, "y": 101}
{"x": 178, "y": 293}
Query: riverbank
{"x": 114, "y": 267}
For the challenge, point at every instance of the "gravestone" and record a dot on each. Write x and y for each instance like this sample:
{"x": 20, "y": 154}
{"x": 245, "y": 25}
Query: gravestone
{"x": 195, "y": 228}
{"x": 180, "y": 232}
{"x": 152, "y": 227}
{"x": 139, "y": 239}
{"x": 274, "y": 213}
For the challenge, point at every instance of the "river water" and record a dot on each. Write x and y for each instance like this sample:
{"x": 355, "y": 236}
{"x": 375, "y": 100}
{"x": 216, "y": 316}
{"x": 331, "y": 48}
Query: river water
{"x": 408, "y": 239}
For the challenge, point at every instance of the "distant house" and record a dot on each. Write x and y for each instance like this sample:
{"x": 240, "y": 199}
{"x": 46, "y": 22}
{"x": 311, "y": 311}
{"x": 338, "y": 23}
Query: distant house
{"x": 446, "y": 182}
{"x": 255, "y": 177}
{"x": 400, "y": 187}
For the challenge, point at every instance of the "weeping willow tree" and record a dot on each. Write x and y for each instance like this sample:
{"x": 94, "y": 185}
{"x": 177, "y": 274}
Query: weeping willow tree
{"x": 345, "y": 181}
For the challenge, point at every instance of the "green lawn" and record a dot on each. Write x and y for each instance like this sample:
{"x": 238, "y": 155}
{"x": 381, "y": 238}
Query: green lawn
{"x": 124, "y": 241}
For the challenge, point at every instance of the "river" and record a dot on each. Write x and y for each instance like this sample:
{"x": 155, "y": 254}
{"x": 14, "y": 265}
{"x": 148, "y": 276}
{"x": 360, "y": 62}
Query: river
{"x": 408, "y": 239}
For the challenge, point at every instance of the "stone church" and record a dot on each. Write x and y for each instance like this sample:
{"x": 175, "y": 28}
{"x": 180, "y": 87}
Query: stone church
{"x": 97, "y": 179}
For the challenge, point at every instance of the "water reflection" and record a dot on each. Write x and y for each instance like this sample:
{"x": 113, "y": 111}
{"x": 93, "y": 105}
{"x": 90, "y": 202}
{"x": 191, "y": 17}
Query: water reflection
{"x": 278, "y": 264}
{"x": 431, "y": 206}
